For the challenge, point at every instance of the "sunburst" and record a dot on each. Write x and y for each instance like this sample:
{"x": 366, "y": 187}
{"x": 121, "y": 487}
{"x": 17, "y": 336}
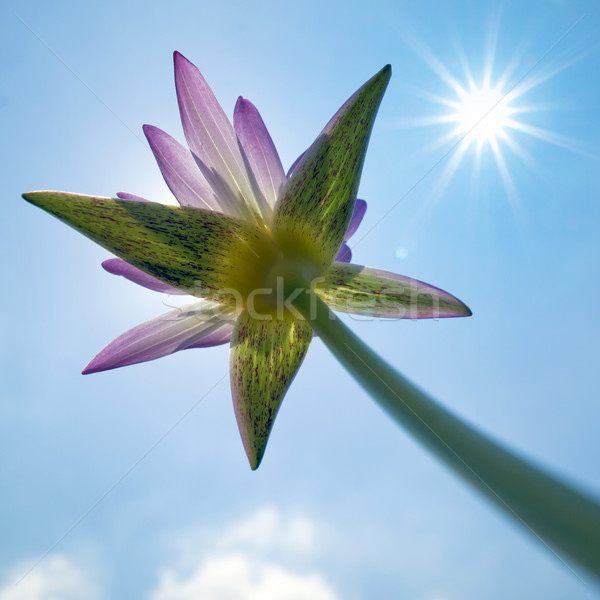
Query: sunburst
{"x": 481, "y": 114}
{"x": 486, "y": 114}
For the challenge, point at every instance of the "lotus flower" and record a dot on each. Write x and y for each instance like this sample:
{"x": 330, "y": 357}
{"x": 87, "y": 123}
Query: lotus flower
{"x": 246, "y": 241}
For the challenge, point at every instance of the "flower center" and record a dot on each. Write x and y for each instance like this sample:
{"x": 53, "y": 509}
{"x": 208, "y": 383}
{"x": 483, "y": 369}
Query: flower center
{"x": 271, "y": 278}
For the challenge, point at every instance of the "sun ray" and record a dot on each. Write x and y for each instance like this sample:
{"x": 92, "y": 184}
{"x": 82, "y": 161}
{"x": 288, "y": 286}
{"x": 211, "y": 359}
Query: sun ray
{"x": 511, "y": 191}
{"x": 491, "y": 46}
{"x": 434, "y": 63}
{"x": 551, "y": 137}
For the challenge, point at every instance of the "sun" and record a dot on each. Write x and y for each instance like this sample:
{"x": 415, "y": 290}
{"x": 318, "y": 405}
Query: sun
{"x": 481, "y": 114}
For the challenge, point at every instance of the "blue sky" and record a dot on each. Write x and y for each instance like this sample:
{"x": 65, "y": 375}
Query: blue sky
{"x": 134, "y": 483}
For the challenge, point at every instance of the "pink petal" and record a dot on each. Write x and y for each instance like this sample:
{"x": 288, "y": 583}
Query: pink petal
{"x": 344, "y": 254}
{"x": 360, "y": 208}
{"x": 128, "y": 196}
{"x": 186, "y": 327}
{"x": 180, "y": 171}
{"x": 259, "y": 149}
{"x": 294, "y": 165}
{"x": 117, "y": 266}
{"x": 212, "y": 140}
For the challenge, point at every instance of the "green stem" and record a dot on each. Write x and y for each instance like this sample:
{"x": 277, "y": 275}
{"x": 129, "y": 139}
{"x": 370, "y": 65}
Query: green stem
{"x": 565, "y": 519}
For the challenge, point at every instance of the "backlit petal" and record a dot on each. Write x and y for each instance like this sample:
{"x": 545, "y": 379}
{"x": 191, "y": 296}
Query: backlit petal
{"x": 180, "y": 171}
{"x": 128, "y": 196}
{"x": 192, "y": 326}
{"x": 117, "y": 266}
{"x": 259, "y": 150}
{"x": 264, "y": 358}
{"x": 294, "y": 165}
{"x": 365, "y": 291}
{"x": 360, "y": 208}
{"x": 345, "y": 254}
{"x": 212, "y": 140}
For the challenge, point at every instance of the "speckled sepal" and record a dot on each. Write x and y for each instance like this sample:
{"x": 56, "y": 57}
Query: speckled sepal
{"x": 198, "y": 251}
{"x": 315, "y": 206}
{"x": 264, "y": 358}
{"x": 372, "y": 292}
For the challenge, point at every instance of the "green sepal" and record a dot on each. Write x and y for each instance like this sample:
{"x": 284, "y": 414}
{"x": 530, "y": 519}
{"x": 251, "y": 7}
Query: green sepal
{"x": 366, "y": 291}
{"x": 199, "y": 251}
{"x": 314, "y": 209}
{"x": 264, "y": 358}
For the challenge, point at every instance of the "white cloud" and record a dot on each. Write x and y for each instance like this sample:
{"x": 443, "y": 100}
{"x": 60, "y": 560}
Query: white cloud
{"x": 237, "y": 576}
{"x": 55, "y": 578}
{"x": 269, "y": 530}
{"x": 256, "y": 559}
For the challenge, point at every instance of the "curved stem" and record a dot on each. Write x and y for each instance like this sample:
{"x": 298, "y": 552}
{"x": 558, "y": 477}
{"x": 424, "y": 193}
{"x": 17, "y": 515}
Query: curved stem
{"x": 564, "y": 519}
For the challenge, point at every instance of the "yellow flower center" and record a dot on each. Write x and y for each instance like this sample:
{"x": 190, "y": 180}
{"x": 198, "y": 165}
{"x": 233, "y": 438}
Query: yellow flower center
{"x": 268, "y": 277}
